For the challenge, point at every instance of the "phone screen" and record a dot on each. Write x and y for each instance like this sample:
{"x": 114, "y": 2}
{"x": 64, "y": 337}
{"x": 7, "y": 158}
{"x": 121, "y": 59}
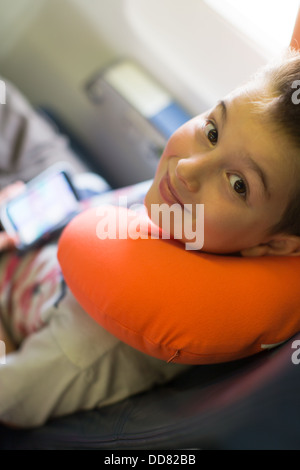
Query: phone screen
{"x": 45, "y": 206}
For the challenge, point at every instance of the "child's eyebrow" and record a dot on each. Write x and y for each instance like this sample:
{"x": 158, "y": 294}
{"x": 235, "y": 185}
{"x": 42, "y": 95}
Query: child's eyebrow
{"x": 221, "y": 105}
{"x": 255, "y": 167}
{"x": 222, "y": 108}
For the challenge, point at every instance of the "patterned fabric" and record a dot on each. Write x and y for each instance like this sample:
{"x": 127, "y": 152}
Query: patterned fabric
{"x": 29, "y": 285}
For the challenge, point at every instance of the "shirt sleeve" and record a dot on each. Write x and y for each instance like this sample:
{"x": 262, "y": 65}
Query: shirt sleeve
{"x": 33, "y": 380}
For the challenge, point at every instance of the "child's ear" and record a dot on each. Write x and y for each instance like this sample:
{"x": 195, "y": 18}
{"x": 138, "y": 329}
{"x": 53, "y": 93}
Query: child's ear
{"x": 279, "y": 245}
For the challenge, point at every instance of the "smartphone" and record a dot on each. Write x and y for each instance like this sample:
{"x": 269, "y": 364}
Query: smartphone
{"x": 46, "y": 205}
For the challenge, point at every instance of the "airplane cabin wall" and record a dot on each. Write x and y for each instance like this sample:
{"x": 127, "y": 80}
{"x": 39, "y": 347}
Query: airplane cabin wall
{"x": 50, "y": 48}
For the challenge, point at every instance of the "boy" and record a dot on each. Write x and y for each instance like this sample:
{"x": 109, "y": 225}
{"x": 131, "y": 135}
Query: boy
{"x": 240, "y": 161}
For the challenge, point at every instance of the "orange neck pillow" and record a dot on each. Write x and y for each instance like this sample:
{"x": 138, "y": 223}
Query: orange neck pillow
{"x": 178, "y": 305}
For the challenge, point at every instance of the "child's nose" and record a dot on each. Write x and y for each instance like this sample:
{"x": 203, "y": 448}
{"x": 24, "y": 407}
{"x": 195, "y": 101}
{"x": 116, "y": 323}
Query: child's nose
{"x": 191, "y": 171}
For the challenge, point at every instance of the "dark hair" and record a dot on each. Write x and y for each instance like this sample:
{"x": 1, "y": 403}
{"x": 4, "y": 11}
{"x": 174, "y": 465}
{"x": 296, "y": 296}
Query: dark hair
{"x": 277, "y": 102}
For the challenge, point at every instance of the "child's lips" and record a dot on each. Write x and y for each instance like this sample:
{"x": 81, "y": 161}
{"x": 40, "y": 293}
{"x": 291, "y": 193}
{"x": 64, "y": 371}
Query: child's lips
{"x": 168, "y": 193}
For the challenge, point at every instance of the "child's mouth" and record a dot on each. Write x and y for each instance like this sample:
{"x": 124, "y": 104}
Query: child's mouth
{"x": 168, "y": 193}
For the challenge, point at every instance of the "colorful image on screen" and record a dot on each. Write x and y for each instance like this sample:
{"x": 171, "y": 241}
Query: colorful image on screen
{"x": 42, "y": 207}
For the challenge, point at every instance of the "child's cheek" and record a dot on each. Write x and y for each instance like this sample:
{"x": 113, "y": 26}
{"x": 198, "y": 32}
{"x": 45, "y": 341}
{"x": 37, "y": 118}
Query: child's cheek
{"x": 180, "y": 143}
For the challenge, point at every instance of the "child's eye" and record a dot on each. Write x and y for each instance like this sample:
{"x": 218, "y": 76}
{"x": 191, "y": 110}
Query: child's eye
{"x": 211, "y": 132}
{"x": 238, "y": 185}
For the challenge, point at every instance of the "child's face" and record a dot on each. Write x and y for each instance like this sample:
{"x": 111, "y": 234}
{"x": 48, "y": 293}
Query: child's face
{"x": 234, "y": 164}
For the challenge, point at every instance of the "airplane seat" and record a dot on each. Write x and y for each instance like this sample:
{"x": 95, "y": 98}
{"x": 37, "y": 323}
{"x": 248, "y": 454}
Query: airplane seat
{"x": 250, "y": 404}
{"x": 89, "y": 182}
{"x": 245, "y": 404}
